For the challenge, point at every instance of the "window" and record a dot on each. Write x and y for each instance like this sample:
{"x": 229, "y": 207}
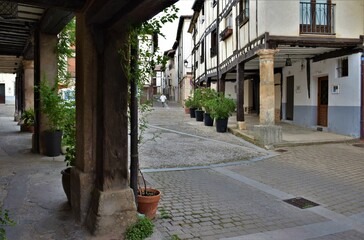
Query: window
{"x": 228, "y": 31}
{"x": 202, "y": 56}
{"x": 213, "y": 49}
{"x": 229, "y": 20}
{"x": 244, "y": 12}
{"x": 317, "y": 16}
{"x": 343, "y": 67}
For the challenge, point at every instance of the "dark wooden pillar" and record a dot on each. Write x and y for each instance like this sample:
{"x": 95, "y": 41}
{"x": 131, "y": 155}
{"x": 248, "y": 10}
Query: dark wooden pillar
{"x": 101, "y": 197}
{"x": 240, "y": 96}
{"x": 83, "y": 174}
{"x": 221, "y": 83}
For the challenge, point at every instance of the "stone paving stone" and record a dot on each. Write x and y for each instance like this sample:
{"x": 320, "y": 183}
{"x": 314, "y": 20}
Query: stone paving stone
{"x": 238, "y": 208}
{"x": 347, "y": 235}
{"x": 331, "y": 175}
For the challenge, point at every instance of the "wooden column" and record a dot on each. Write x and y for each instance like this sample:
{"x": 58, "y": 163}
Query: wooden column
{"x": 84, "y": 173}
{"x": 100, "y": 189}
{"x": 221, "y": 83}
{"x": 48, "y": 70}
{"x": 28, "y": 66}
{"x": 266, "y": 71}
{"x": 240, "y": 96}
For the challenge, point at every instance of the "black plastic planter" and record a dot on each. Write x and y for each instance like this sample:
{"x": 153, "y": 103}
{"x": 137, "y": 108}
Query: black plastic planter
{"x": 52, "y": 143}
{"x": 208, "y": 121}
{"x": 221, "y": 125}
{"x": 199, "y": 115}
{"x": 192, "y": 112}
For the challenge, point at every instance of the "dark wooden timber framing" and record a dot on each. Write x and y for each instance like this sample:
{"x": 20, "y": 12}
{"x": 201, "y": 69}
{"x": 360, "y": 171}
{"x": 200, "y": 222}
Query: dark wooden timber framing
{"x": 265, "y": 41}
{"x": 64, "y": 4}
{"x": 240, "y": 94}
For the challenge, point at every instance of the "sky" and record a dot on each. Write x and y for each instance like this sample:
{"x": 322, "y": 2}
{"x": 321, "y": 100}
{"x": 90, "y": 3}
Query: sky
{"x": 170, "y": 29}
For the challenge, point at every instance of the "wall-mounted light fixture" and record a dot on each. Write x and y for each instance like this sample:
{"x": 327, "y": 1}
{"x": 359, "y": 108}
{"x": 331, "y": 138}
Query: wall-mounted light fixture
{"x": 288, "y": 61}
{"x": 185, "y": 62}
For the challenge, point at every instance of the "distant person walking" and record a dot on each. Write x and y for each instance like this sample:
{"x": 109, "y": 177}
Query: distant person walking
{"x": 163, "y": 99}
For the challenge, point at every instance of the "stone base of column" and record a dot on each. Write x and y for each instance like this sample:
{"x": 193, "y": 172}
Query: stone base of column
{"x": 268, "y": 134}
{"x": 81, "y": 189}
{"x": 111, "y": 213}
{"x": 241, "y": 125}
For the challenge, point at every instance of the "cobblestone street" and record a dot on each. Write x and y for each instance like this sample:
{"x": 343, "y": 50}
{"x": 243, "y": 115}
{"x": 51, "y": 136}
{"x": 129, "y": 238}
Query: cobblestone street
{"x": 214, "y": 185}
{"x": 245, "y": 201}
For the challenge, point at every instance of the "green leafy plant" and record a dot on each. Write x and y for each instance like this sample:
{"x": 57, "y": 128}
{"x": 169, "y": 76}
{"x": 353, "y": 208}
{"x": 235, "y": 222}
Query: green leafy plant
{"x": 198, "y": 98}
{"x": 221, "y": 106}
{"x": 52, "y": 105}
{"x": 28, "y": 117}
{"x": 4, "y": 221}
{"x": 65, "y": 50}
{"x": 207, "y": 95}
{"x": 69, "y": 132}
{"x": 175, "y": 237}
{"x": 190, "y": 102}
{"x": 140, "y": 230}
{"x": 164, "y": 214}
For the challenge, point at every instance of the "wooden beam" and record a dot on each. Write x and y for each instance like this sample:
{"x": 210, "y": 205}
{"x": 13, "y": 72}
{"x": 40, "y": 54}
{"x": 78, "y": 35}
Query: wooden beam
{"x": 64, "y": 4}
{"x": 336, "y": 53}
{"x": 312, "y": 41}
{"x": 54, "y": 20}
{"x": 115, "y": 13}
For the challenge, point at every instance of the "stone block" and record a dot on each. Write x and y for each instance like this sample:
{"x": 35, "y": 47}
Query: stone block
{"x": 111, "y": 212}
{"x": 268, "y": 134}
{"x": 81, "y": 189}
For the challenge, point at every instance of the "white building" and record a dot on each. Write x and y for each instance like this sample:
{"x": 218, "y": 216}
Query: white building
{"x": 7, "y": 88}
{"x": 183, "y": 59}
{"x": 297, "y": 61}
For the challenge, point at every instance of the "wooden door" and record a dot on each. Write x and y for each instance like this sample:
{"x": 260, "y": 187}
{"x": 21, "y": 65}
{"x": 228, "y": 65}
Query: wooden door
{"x": 2, "y": 93}
{"x": 323, "y": 101}
{"x": 290, "y": 98}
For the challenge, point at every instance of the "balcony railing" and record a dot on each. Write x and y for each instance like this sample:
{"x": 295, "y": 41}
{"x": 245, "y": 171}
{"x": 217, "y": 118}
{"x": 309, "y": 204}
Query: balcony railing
{"x": 317, "y": 18}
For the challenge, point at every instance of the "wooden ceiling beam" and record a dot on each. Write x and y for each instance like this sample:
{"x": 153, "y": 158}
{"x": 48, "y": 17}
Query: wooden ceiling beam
{"x": 72, "y": 5}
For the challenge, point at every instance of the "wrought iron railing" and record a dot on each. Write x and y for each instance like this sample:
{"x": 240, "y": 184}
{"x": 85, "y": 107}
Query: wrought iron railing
{"x": 317, "y": 18}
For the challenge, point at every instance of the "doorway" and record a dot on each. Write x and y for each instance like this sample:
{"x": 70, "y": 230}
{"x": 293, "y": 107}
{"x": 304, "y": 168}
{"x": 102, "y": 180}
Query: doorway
{"x": 2, "y": 92}
{"x": 290, "y": 98}
{"x": 323, "y": 100}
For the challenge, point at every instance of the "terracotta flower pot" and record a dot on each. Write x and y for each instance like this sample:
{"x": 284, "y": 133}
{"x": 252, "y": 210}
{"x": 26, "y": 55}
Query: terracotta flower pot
{"x": 148, "y": 205}
{"x": 187, "y": 110}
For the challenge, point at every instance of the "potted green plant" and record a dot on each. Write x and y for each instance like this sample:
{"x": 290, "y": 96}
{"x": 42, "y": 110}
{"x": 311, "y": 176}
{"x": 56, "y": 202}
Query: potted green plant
{"x": 52, "y": 106}
{"x": 198, "y": 98}
{"x": 27, "y": 121}
{"x": 221, "y": 109}
{"x": 191, "y": 104}
{"x": 208, "y": 95}
{"x": 69, "y": 141}
{"x": 148, "y": 199}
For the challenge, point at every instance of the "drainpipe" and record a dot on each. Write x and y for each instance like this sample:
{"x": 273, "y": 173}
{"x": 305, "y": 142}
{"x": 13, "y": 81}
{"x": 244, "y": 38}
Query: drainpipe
{"x": 134, "y": 155}
{"x": 217, "y": 47}
{"x": 362, "y": 99}
{"x": 256, "y": 18}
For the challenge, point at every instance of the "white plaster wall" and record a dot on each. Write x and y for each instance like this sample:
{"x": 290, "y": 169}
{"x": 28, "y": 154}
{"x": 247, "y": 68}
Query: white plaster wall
{"x": 230, "y": 90}
{"x": 349, "y": 87}
{"x": 9, "y": 80}
{"x": 278, "y": 17}
{"x": 349, "y": 18}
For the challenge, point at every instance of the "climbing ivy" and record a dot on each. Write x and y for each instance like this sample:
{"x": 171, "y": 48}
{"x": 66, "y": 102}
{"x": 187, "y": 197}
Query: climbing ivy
{"x": 145, "y": 38}
{"x": 65, "y": 49}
